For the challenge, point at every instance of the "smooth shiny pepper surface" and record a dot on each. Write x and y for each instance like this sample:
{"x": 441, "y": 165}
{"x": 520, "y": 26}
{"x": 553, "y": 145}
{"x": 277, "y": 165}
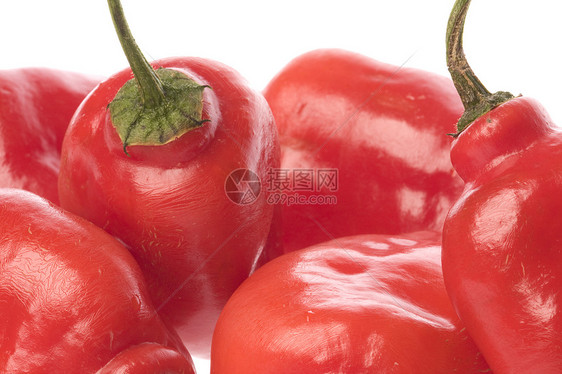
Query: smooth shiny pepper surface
{"x": 36, "y": 105}
{"x": 362, "y": 304}
{"x": 502, "y": 241}
{"x": 382, "y": 128}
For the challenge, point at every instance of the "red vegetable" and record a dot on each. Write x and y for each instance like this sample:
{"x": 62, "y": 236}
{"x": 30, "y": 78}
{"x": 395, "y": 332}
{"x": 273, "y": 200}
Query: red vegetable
{"x": 36, "y": 105}
{"x": 362, "y": 304}
{"x": 155, "y": 359}
{"x": 194, "y": 241}
{"x": 72, "y": 298}
{"x": 382, "y": 129}
{"x": 502, "y": 245}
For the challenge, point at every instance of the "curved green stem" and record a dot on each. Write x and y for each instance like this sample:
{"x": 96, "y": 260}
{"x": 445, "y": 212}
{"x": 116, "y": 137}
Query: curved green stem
{"x": 477, "y": 100}
{"x": 468, "y": 85}
{"x": 150, "y": 86}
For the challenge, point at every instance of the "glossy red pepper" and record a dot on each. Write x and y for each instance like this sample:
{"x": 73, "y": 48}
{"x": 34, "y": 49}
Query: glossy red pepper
{"x": 194, "y": 242}
{"x": 381, "y": 127}
{"x": 72, "y": 298}
{"x": 148, "y": 358}
{"x": 361, "y": 304}
{"x": 502, "y": 245}
{"x": 36, "y": 105}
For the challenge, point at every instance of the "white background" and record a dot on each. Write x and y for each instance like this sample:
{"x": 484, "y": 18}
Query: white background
{"x": 512, "y": 45}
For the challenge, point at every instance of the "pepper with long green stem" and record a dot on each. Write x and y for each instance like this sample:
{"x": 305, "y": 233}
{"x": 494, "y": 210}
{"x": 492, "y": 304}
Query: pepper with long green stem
{"x": 502, "y": 238}
{"x": 165, "y": 196}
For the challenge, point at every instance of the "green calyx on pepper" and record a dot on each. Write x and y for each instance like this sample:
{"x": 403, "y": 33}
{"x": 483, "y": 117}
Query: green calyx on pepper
{"x": 155, "y": 107}
{"x": 477, "y": 100}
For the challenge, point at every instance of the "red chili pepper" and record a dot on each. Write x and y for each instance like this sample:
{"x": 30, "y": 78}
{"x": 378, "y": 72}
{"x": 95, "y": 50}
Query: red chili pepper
{"x": 502, "y": 246}
{"x": 371, "y": 140}
{"x": 148, "y": 358}
{"x": 72, "y": 298}
{"x": 361, "y": 304}
{"x": 194, "y": 241}
{"x": 36, "y": 107}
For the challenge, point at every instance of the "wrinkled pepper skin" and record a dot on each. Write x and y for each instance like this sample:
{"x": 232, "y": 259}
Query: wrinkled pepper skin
{"x": 36, "y": 105}
{"x": 502, "y": 246}
{"x": 72, "y": 298}
{"x": 168, "y": 203}
{"x": 382, "y": 127}
{"x": 361, "y": 304}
